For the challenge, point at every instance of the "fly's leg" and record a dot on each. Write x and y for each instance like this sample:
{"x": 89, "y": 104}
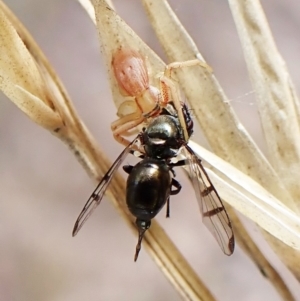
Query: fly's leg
{"x": 177, "y": 189}
{"x": 180, "y": 163}
{"x": 127, "y": 168}
{"x": 140, "y": 155}
{"x": 168, "y": 208}
{"x": 177, "y": 186}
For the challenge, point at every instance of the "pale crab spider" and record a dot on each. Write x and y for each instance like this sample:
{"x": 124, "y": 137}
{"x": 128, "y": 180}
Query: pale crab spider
{"x": 143, "y": 100}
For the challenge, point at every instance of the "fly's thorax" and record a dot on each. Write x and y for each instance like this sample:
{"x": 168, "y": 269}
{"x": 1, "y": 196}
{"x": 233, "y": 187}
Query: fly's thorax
{"x": 163, "y": 137}
{"x": 170, "y": 109}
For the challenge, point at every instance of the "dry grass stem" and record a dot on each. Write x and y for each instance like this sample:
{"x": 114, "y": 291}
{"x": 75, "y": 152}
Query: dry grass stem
{"x": 223, "y": 130}
{"x": 69, "y": 128}
{"x": 251, "y": 199}
{"x": 113, "y": 33}
{"x": 278, "y": 107}
{"x": 259, "y": 188}
{"x": 250, "y": 248}
{"x": 225, "y": 133}
{"x": 89, "y": 8}
{"x": 48, "y": 97}
{"x": 276, "y": 97}
{"x": 20, "y": 79}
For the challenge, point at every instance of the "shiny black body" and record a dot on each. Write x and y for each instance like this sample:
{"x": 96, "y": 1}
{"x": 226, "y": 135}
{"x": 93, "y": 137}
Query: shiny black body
{"x": 148, "y": 188}
{"x": 163, "y": 137}
{"x": 151, "y": 182}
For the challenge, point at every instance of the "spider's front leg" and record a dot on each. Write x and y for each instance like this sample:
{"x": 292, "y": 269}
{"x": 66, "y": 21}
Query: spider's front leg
{"x": 123, "y": 125}
{"x": 170, "y": 90}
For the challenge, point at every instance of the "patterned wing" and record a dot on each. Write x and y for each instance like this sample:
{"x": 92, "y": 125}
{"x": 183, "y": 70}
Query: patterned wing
{"x": 96, "y": 197}
{"x": 214, "y": 215}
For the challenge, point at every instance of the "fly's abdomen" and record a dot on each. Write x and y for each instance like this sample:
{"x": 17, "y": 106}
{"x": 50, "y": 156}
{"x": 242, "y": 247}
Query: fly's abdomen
{"x": 148, "y": 188}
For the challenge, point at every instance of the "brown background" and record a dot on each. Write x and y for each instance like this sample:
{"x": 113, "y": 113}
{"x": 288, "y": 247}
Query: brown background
{"x": 43, "y": 188}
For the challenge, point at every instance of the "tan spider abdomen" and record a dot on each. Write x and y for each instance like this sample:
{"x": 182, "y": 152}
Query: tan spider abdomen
{"x": 130, "y": 72}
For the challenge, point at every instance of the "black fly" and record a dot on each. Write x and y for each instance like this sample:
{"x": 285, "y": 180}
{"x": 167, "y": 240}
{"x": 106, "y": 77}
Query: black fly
{"x": 151, "y": 182}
